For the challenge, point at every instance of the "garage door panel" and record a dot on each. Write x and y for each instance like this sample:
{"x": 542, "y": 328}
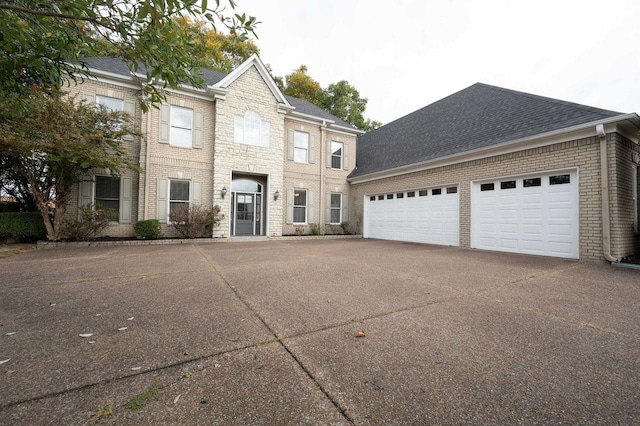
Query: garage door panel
{"x": 535, "y": 219}
{"x": 428, "y": 219}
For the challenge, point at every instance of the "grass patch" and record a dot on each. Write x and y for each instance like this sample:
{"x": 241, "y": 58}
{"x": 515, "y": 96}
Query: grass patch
{"x": 8, "y": 253}
{"x": 101, "y": 413}
{"x": 140, "y": 400}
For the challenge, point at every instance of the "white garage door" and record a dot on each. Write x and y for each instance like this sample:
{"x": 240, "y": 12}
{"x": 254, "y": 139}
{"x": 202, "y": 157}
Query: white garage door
{"x": 532, "y": 214}
{"x": 425, "y": 216}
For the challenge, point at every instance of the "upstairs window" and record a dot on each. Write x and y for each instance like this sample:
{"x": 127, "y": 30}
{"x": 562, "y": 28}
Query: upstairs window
{"x": 181, "y": 126}
{"x": 337, "y": 149}
{"x": 249, "y": 129}
{"x": 301, "y": 147}
{"x": 110, "y": 103}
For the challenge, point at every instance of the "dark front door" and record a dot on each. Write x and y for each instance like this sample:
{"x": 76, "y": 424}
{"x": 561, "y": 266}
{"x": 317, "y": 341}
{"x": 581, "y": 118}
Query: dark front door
{"x": 244, "y": 214}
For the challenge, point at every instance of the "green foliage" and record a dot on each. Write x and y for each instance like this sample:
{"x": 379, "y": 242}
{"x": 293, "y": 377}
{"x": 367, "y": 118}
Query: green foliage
{"x": 340, "y": 99}
{"x": 22, "y": 226}
{"x": 212, "y": 49}
{"x": 42, "y": 42}
{"x": 345, "y": 228}
{"x": 56, "y": 143}
{"x": 196, "y": 221}
{"x": 88, "y": 225}
{"x": 314, "y": 229}
{"x": 149, "y": 229}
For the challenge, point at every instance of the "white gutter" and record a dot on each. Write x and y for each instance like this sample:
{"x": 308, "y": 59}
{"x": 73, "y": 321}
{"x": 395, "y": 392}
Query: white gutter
{"x": 604, "y": 189}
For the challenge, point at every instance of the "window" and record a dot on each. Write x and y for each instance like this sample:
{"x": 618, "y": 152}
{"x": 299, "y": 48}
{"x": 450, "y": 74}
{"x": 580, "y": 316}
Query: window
{"x": 107, "y": 196}
{"x": 487, "y": 187}
{"x": 110, "y": 103}
{"x": 423, "y": 193}
{"x": 337, "y": 149}
{"x": 336, "y": 208}
{"x": 249, "y": 129}
{"x": 178, "y": 196}
{"x": 380, "y": 197}
{"x": 411, "y": 194}
{"x": 299, "y": 206}
{"x": 510, "y": 184}
{"x": 559, "y": 179}
{"x": 181, "y": 126}
{"x": 389, "y": 196}
{"x": 452, "y": 190}
{"x": 400, "y": 195}
{"x": 372, "y": 198}
{"x": 436, "y": 191}
{"x": 532, "y": 182}
{"x": 301, "y": 147}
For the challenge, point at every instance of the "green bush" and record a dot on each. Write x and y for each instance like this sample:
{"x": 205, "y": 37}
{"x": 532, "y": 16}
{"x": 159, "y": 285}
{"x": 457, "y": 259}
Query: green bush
{"x": 22, "y": 226}
{"x": 148, "y": 229}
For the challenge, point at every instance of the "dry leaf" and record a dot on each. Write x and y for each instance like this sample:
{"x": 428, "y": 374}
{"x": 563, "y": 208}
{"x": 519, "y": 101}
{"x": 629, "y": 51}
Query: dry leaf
{"x": 122, "y": 328}
{"x": 52, "y": 304}
{"x": 175, "y": 401}
{"x": 4, "y": 361}
{"x": 85, "y": 335}
{"x": 11, "y": 334}
{"x": 135, "y": 368}
{"x": 361, "y": 333}
{"x": 92, "y": 341}
{"x": 130, "y": 319}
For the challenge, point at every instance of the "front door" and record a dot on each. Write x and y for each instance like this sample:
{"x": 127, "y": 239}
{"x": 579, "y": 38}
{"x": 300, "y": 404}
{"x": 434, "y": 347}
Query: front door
{"x": 245, "y": 213}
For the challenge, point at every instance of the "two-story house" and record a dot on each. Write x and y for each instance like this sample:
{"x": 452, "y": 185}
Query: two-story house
{"x": 273, "y": 163}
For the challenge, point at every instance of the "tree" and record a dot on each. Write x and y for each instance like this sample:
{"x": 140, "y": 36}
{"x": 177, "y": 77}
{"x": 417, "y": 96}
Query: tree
{"x": 301, "y": 85}
{"x": 343, "y": 100}
{"x": 60, "y": 139}
{"x": 212, "y": 49}
{"x": 340, "y": 99}
{"x": 42, "y": 42}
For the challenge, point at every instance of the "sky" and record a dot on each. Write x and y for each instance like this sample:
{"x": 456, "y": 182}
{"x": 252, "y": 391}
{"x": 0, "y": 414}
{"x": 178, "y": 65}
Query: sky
{"x": 406, "y": 54}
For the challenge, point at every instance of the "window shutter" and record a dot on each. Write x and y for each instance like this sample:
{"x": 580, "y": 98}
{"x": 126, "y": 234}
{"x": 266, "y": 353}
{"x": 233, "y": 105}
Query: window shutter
{"x": 290, "y": 144}
{"x": 196, "y": 192}
{"x": 163, "y": 128}
{"x": 327, "y": 210}
{"x": 345, "y": 208}
{"x": 129, "y": 108}
{"x": 197, "y": 129}
{"x": 345, "y": 157}
{"x": 328, "y": 155}
{"x": 289, "y": 205}
{"x": 161, "y": 213}
{"x": 312, "y": 149}
{"x": 90, "y": 98}
{"x": 311, "y": 203}
{"x": 125, "y": 200}
{"x": 85, "y": 192}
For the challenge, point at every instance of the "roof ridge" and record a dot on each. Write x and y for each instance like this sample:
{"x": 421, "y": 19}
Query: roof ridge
{"x": 547, "y": 99}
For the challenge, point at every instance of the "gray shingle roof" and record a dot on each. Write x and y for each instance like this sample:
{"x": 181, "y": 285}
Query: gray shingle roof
{"x": 476, "y": 117}
{"x": 210, "y": 77}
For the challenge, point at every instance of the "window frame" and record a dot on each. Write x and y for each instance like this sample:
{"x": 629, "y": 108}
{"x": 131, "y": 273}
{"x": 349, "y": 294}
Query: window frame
{"x": 172, "y": 126}
{"x": 170, "y": 200}
{"x": 240, "y": 129}
{"x": 96, "y": 199}
{"x": 340, "y": 157}
{"x": 332, "y": 209}
{"x": 297, "y": 149}
{"x": 300, "y": 206}
{"x": 120, "y": 101}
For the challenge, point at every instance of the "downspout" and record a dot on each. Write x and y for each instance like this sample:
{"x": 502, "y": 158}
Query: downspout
{"x": 604, "y": 183}
{"x": 147, "y": 164}
{"x": 322, "y": 172}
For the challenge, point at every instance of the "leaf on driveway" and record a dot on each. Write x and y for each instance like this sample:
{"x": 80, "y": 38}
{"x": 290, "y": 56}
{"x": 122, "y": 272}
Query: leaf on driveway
{"x": 122, "y": 328}
{"x": 85, "y": 335}
{"x": 135, "y": 368}
{"x": 4, "y": 361}
{"x": 361, "y": 333}
{"x": 11, "y": 334}
{"x": 175, "y": 400}
{"x": 130, "y": 319}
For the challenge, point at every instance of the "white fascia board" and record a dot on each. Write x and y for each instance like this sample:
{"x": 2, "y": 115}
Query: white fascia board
{"x": 347, "y": 129}
{"x": 298, "y": 115}
{"x": 254, "y": 60}
{"x": 537, "y": 141}
{"x": 285, "y": 109}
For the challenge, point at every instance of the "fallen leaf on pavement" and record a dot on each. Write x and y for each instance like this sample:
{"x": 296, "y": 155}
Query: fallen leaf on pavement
{"x": 5, "y": 361}
{"x": 86, "y": 335}
{"x": 135, "y": 368}
{"x": 130, "y": 319}
{"x": 11, "y": 334}
{"x": 175, "y": 401}
{"x": 122, "y": 328}
{"x": 361, "y": 333}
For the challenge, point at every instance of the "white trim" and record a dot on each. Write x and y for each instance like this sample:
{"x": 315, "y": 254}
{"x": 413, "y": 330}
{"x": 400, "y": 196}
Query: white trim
{"x": 544, "y": 139}
{"x": 254, "y": 60}
{"x": 332, "y": 208}
{"x": 329, "y": 124}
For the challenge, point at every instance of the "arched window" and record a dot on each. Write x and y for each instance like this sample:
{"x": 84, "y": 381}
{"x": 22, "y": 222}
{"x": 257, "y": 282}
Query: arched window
{"x": 249, "y": 129}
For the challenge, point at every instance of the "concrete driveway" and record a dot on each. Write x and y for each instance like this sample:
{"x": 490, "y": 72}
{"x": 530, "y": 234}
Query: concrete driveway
{"x": 264, "y": 333}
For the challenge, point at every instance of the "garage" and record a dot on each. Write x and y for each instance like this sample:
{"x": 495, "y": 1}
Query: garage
{"x": 533, "y": 214}
{"x": 429, "y": 215}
